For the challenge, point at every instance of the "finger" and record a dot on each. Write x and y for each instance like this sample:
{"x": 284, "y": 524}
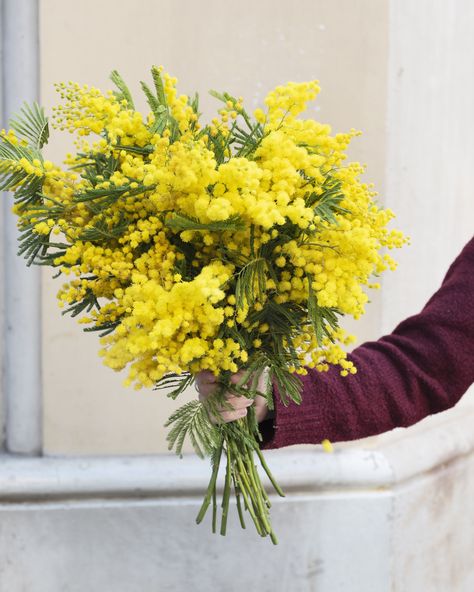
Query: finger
{"x": 205, "y": 391}
{"x": 205, "y": 384}
{"x": 235, "y": 378}
{"x": 263, "y": 380}
{"x": 228, "y": 416}
{"x": 237, "y": 402}
{"x": 261, "y": 408}
{"x": 206, "y": 377}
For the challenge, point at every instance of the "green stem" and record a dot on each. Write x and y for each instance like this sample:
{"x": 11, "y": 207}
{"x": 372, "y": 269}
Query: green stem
{"x": 264, "y": 502}
{"x": 249, "y": 506}
{"x": 211, "y": 487}
{"x": 257, "y": 477}
{"x": 214, "y": 511}
{"x": 226, "y": 494}
{"x": 268, "y": 472}
{"x": 239, "y": 503}
{"x": 249, "y": 495}
{"x": 257, "y": 487}
{"x": 246, "y": 480}
{"x": 254, "y": 494}
{"x": 239, "y": 440}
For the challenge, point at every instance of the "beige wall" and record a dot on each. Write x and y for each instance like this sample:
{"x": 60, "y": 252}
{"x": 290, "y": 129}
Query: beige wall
{"x": 429, "y": 170}
{"x": 246, "y": 48}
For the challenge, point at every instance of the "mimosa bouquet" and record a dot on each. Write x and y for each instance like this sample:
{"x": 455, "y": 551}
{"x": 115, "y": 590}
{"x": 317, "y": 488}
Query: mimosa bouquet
{"x": 236, "y": 244}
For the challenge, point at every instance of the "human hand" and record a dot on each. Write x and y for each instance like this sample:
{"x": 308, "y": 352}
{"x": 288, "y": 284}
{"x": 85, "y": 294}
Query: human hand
{"x": 207, "y": 384}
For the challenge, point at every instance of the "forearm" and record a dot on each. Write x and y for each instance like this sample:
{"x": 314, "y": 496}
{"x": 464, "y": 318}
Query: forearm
{"x": 423, "y": 367}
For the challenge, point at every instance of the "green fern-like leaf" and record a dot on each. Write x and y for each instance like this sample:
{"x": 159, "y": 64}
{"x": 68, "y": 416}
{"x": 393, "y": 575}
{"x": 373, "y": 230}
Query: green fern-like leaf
{"x": 31, "y": 125}
{"x": 180, "y": 222}
{"x": 13, "y": 177}
{"x": 194, "y": 104}
{"x": 251, "y": 282}
{"x": 104, "y": 328}
{"x": 143, "y": 150}
{"x": 327, "y": 204}
{"x": 314, "y": 314}
{"x": 323, "y": 319}
{"x": 159, "y": 107}
{"x": 32, "y": 246}
{"x": 244, "y": 141}
{"x": 159, "y": 87}
{"x": 178, "y": 383}
{"x": 247, "y": 142}
{"x": 289, "y": 385}
{"x": 123, "y": 90}
{"x": 191, "y": 420}
{"x": 27, "y": 189}
{"x": 99, "y": 199}
{"x": 217, "y": 143}
{"x": 102, "y": 230}
{"x": 88, "y": 303}
{"x": 153, "y": 102}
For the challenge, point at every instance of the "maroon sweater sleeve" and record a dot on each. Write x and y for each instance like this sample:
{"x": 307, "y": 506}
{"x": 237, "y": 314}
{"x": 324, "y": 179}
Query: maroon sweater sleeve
{"x": 422, "y": 368}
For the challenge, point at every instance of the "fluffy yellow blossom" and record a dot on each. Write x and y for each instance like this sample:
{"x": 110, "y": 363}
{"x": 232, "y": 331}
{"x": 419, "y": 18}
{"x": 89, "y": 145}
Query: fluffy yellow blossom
{"x": 172, "y": 328}
{"x": 191, "y": 246}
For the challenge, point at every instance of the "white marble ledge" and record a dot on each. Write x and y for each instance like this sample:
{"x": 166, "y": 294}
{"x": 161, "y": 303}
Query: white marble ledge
{"x": 392, "y": 459}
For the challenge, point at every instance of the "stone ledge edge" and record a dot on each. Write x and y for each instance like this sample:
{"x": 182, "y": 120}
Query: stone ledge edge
{"x": 396, "y": 457}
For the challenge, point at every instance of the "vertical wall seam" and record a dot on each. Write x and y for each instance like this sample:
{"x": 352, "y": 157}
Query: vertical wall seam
{"x": 22, "y": 379}
{"x": 2, "y": 369}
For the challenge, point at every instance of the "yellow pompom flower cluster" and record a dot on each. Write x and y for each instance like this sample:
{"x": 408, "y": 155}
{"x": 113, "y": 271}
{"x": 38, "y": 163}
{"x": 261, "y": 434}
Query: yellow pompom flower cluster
{"x": 169, "y": 330}
{"x": 240, "y": 243}
{"x": 197, "y": 247}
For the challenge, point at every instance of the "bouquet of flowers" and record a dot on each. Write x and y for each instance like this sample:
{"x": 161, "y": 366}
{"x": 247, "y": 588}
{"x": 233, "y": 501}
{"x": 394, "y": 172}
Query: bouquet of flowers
{"x": 236, "y": 244}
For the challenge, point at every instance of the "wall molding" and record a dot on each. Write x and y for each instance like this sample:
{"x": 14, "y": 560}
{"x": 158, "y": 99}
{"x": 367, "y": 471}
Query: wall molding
{"x": 372, "y": 465}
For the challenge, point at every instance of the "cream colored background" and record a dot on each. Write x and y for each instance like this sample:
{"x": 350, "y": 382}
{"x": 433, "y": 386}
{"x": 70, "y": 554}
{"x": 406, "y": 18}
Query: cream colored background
{"x": 246, "y": 48}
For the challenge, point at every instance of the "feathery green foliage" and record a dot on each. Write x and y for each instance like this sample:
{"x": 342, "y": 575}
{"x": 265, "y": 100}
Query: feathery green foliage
{"x": 180, "y": 222}
{"x": 322, "y": 318}
{"x": 123, "y": 90}
{"x": 88, "y": 303}
{"x": 244, "y": 141}
{"x": 251, "y": 282}
{"x": 31, "y": 125}
{"x": 13, "y": 177}
{"x": 327, "y": 203}
{"x": 191, "y": 420}
{"x": 159, "y": 107}
{"x": 103, "y": 230}
{"x": 177, "y": 382}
